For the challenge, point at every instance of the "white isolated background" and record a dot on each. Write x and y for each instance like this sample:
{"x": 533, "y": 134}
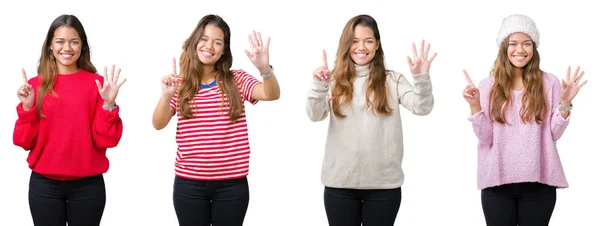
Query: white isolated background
{"x": 287, "y": 148}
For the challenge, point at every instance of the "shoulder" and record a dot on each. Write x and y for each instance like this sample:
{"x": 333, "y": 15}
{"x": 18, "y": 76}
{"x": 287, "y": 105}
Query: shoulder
{"x": 486, "y": 83}
{"x": 91, "y": 75}
{"x": 35, "y": 81}
{"x": 394, "y": 75}
{"x": 550, "y": 78}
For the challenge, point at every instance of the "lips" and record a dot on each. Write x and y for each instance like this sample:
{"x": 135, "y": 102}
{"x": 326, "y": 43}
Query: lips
{"x": 67, "y": 56}
{"x": 207, "y": 53}
{"x": 361, "y": 55}
{"x": 519, "y": 58}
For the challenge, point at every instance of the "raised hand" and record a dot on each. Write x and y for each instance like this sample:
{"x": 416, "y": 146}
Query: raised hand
{"x": 420, "y": 64}
{"x": 170, "y": 82}
{"x": 25, "y": 93}
{"x": 110, "y": 88}
{"x": 570, "y": 87}
{"x": 259, "y": 52}
{"x": 471, "y": 93}
{"x": 322, "y": 73}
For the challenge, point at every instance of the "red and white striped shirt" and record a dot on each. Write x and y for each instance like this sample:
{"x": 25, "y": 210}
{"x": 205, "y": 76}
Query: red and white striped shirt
{"x": 210, "y": 147}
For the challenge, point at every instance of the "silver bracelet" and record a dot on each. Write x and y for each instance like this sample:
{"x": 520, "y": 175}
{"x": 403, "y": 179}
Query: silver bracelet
{"x": 109, "y": 108}
{"x": 565, "y": 108}
{"x": 268, "y": 74}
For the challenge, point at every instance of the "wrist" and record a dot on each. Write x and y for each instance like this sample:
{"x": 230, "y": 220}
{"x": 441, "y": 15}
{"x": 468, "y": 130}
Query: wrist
{"x": 264, "y": 69}
{"x": 27, "y": 107}
{"x": 268, "y": 73}
{"x": 565, "y": 103}
{"x": 109, "y": 103}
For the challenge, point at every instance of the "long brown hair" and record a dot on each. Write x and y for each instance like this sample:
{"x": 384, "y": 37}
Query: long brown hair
{"x": 47, "y": 68}
{"x": 534, "y": 106}
{"x": 345, "y": 71}
{"x": 191, "y": 71}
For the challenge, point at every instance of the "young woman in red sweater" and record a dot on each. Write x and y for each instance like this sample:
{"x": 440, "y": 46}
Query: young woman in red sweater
{"x": 67, "y": 118}
{"x": 208, "y": 98}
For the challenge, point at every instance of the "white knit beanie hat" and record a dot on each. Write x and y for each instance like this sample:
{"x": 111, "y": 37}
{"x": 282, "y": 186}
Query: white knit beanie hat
{"x": 518, "y": 23}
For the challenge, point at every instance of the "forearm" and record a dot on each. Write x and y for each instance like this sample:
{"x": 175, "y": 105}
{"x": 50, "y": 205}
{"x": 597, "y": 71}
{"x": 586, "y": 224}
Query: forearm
{"x": 271, "y": 88}
{"x": 162, "y": 113}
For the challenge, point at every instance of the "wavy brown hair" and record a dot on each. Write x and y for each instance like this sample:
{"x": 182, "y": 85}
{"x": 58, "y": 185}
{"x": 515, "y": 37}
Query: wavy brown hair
{"x": 47, "y": 68}
{"x": 534, "y": 106}
{"x": 191, "y": 71}
{"x": 345, "y": 71}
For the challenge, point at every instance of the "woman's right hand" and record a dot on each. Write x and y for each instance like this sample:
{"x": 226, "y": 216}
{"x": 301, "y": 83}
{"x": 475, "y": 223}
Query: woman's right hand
{"x": 322, "y": 73}
{"x": 471, "y": 93}
{"x": 25, "y": 93}
{"x": 170, "y": 82}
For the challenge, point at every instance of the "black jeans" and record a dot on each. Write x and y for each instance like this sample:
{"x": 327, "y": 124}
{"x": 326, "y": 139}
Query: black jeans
{"x": 351, "y": 207}
{"x": 202, "y": 203}
{"x": 55, "y": 202}
{"x": 523, "y": 204}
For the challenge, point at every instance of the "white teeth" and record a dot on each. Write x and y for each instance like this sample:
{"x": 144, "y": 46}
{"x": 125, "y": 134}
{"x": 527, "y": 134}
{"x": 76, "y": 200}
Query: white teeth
{"x": 207, "y": 54}
{"x": 361, "y": 54}
{"x": 519, "y": 57}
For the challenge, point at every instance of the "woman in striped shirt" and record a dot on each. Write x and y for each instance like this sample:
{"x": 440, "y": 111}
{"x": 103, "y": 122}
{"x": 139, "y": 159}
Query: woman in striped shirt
{"x": 208, "y": 97}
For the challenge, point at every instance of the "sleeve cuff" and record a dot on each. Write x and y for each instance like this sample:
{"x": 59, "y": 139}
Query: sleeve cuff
{"x": 321, "y": 86}
{"x": 108, "y": 116}
{"x": 26, "y": 116}
{"x": 473, "y": 116}
{"x": 423, "y": 77}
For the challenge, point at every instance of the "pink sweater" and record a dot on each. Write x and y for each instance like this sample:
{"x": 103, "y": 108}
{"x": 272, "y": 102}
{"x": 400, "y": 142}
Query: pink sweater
{"x": 518, "y": 152}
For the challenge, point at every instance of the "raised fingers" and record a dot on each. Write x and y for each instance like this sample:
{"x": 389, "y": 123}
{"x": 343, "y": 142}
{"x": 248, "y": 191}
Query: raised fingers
{"x": 325, "y": 60}
{"x": 469, "y": 81}
{"x": 174, "y": 66}
{"x": 422, "y": 48}
{"x": 24, "y": 76}
{"x": 414, "y": 50}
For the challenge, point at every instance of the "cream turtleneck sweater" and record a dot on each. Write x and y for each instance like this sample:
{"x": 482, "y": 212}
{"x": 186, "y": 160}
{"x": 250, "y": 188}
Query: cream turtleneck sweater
{"x": 363, "y": 150}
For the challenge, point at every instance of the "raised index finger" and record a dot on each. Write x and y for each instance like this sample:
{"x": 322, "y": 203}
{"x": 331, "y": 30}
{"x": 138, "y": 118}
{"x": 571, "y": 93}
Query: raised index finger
{"x": 24, "y": 76}
{"x": 325, "y": 60}
{"x": 174, "y": 66}
{"x": 467, "y": 77}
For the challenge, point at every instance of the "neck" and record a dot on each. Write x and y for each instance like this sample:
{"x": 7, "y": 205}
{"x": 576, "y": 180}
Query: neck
{"x": 517, "y": 82}
{"x": 208, "y": 75}
{"x": 67, "y": 69}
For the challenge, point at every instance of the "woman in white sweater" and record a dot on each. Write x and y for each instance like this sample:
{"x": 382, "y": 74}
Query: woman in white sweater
{"x": 362, "y": 167}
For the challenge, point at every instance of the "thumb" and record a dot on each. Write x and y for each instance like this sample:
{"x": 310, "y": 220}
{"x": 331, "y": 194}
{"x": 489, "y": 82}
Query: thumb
{"x": 248, "y": 54}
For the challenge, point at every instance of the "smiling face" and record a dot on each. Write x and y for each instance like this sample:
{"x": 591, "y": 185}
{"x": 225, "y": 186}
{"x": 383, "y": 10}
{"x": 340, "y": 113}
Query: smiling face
{"x": 66, "y": 49}
{"x": 211, "y": 45}
{"x": 520, "y": 49}
{"x": 364, "y": 45}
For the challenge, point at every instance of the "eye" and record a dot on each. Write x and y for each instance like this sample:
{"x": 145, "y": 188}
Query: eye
{"x": 528, "y": 44}
{"x": 370, "y": 41}
{"x": 354, "y": 41}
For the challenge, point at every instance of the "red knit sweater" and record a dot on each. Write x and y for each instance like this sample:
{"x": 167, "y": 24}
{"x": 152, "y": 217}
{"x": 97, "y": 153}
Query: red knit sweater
{"x": 71, "y": 142}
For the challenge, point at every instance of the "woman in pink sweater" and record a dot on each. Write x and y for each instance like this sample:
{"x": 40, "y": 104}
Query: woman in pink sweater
{"x": 518, "y": 114}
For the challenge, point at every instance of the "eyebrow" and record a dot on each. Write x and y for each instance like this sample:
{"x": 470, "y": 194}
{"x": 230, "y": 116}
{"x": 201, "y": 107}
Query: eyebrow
{"x": 71, "y": 39}
{"x": 528, "y": 40}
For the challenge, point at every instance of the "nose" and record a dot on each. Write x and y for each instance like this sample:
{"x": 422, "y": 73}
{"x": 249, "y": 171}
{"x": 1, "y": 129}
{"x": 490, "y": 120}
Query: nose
{"x": 67, "y": 46}
{"x": 361, "y": 45}
{"x": 521, "y": 48}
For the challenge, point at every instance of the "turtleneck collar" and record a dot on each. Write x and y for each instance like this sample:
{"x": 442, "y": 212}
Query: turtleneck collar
{"x": 363, "y": 70}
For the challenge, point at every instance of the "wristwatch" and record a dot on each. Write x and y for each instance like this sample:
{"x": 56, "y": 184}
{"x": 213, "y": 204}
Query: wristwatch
{"x": 565, "y": 108}
{"x": 268, "y": 74}
{"x": 109, "y": 108}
